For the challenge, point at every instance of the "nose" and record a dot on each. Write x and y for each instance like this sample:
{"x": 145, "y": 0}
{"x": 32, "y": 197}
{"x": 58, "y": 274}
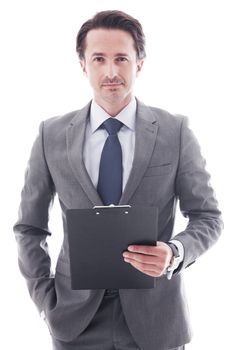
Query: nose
{"x": 111, "y": 70}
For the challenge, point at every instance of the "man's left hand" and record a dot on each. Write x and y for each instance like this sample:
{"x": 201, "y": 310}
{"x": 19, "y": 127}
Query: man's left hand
{"x": 151, "y": 260}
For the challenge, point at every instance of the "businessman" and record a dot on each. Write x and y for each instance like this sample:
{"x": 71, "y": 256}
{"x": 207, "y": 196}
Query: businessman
{"x": 116, "y": 150}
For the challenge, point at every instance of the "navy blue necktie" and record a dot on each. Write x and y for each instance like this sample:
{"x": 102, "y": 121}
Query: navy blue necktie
{"x": 110, "y": 172}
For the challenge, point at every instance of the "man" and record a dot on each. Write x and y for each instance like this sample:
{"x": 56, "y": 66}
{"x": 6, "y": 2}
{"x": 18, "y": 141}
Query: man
{"x": 155, "y": 161}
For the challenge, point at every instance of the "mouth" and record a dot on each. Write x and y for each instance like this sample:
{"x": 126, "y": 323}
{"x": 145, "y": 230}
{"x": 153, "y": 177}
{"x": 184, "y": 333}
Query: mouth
{"x": 112, "y": 85}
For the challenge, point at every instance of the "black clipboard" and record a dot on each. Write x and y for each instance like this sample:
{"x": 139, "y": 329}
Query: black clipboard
{"x": 97, "y": 238}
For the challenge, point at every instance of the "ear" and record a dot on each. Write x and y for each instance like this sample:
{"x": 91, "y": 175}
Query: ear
{"x": 139, "y": 65}
{"x": 83, "y": 66}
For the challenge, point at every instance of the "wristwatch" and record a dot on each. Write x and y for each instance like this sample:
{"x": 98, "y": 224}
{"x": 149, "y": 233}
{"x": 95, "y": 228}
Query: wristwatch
{"x": 175, "y": 261}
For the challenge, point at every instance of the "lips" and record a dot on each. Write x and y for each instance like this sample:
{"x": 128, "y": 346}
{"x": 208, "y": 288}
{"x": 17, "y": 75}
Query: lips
{"x": 112, "y": 84}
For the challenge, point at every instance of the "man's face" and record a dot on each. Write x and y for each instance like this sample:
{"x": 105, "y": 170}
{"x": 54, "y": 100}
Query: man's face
{"x": 111, "y": 65}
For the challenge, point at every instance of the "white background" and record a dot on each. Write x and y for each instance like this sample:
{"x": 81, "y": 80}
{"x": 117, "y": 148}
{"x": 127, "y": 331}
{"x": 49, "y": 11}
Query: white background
{"x": 188, "y": 71}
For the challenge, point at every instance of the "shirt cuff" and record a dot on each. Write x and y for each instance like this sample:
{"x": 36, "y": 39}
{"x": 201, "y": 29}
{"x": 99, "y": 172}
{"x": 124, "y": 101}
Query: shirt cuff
{"x": 179, "y": 259}
{"x": 180, "y": 248}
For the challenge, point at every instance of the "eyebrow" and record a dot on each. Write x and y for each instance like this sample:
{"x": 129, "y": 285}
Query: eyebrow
{"x": 103, "y": 54}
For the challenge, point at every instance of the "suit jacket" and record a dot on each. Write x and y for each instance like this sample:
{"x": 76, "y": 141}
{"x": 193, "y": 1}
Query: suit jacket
{"x": 167, "y": 167}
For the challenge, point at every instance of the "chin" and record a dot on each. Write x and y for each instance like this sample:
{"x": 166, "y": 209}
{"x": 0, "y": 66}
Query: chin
{"x": 113, "y": 96}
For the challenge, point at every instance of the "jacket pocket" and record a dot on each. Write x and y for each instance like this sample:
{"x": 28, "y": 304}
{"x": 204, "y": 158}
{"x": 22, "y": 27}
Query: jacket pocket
{"x": 157, "y": 170}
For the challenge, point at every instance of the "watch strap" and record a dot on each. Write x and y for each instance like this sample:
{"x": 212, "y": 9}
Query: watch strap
{"x": 174, "y": 249}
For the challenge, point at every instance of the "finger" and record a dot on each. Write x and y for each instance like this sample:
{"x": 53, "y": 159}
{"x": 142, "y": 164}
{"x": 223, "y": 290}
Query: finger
{"x": 158, "y": 269}
{"x": 152, "y": 274}
{"x": 146, "y": 259}
{"x": 143, "y": 249}
{"x": 159, "y": 261}
{"x": 149, "y": 272}
{"x": 140, "y": 266}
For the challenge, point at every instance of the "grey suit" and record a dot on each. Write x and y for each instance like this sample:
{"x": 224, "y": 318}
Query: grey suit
{"x": 167, "y": 166}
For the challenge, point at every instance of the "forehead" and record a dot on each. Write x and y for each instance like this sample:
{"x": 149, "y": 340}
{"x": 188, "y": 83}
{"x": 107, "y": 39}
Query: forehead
{"x": 109, "y": 41}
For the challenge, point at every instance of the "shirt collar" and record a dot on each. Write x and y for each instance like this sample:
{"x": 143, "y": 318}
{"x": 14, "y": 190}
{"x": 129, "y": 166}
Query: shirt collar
{"x": 127, "y": 116}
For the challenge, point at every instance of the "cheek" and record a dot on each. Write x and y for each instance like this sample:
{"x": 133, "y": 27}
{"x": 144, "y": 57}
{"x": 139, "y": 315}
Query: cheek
{"x": 93, "y": 76}
{"x": 130, "y": 78}
{"x": 129, "y": 73}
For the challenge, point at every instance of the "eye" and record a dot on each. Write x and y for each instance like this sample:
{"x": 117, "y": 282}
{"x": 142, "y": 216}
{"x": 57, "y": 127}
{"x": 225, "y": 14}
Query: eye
{"x": 98, "y": 59}
{"x": 122, "y": 59}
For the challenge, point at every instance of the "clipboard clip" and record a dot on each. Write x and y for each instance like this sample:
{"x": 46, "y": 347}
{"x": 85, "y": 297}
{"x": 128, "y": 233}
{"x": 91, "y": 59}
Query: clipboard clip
{"x": 111, "y": 206}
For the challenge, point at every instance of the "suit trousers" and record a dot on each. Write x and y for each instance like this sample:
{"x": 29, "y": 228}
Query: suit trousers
{"x": 108, "y": 329}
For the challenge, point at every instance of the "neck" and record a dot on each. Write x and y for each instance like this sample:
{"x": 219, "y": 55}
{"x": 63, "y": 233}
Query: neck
{"x": 113, "y": 108}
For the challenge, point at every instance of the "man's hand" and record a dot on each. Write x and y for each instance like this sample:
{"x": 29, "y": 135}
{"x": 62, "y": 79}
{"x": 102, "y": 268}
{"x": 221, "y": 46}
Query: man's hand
{"x": 151, "y": 260}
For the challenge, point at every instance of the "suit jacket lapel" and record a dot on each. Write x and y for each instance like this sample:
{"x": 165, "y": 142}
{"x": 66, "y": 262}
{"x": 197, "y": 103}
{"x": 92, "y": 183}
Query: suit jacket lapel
{"x": 146, "y": 131}
{"x": 75, "y": 140}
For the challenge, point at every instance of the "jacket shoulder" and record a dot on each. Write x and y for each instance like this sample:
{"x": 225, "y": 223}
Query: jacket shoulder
{"x": 169, "y": 124}
{"x": 60, "y": 121}
{"x": 165, "y": 116}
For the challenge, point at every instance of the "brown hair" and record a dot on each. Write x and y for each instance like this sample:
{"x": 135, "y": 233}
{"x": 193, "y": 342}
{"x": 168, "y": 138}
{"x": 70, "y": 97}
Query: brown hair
{"x": 113, "y": 20}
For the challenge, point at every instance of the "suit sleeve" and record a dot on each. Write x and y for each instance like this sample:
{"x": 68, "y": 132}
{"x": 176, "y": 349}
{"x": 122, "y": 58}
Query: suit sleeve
{"x": 31, "y": 229}
{"x": 197, "y": 199}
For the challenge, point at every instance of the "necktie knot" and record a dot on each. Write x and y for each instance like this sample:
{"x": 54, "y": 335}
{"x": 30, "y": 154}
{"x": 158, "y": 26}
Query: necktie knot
{"x": 112, "y": 126}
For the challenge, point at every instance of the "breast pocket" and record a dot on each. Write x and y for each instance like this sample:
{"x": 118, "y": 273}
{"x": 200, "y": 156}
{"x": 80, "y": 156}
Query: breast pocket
{"x": 157, "y": 170}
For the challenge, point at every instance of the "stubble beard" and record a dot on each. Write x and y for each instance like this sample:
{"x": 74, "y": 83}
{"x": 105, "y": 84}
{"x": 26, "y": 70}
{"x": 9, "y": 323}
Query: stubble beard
{"x": 113, "y": 96}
